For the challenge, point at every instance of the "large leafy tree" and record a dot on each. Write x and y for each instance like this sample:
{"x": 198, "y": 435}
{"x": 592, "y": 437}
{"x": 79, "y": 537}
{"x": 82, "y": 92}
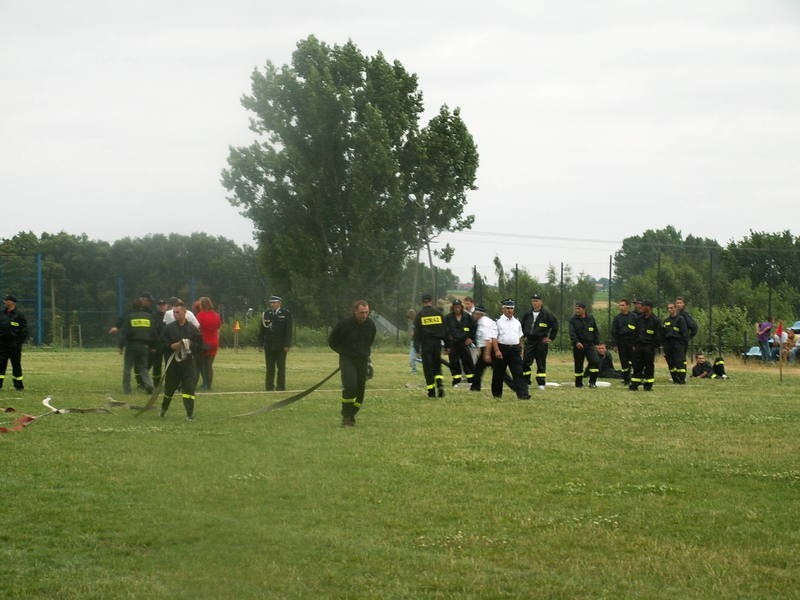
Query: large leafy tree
{"x": 341, "y": 183}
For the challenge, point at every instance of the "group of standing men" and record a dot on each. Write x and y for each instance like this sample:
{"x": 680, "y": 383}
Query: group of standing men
{"x": 474, "y": 341}
{"x": 638, "y": 333}
{"x": 513, "y": 345}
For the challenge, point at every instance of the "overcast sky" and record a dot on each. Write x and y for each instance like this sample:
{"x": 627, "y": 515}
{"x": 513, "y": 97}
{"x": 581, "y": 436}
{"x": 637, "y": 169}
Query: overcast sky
{"x": 594, "y": 120}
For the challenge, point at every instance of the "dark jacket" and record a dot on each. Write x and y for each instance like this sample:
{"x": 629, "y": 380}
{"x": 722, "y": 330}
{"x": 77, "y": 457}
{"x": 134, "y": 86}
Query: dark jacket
{"x": 648, "y": 331}
{"x": 691, "y": 324}
{"x": 174, "y": 332}
{"x": 583, "y": 330}
{"x": 544, "y": 326}
{"x": 623, "y": 328}
{"x": 352, "y": 339}
{"x": 276, "y": 329}
{"x": 13, "y": 326}
{"x": 137, "y": 326}
{"x": 458, "y": 331}
{"x": 674, "y": 328}
{"x": 428, "y": 327}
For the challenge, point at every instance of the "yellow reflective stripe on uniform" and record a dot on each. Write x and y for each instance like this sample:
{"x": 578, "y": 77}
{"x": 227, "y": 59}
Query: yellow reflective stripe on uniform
{"x": 541, "y": 374}
{"x": 14, "y": 324}
{"x": 631, "y": 326}
{"x": 348, "y": 400}
{"x": 188, "y": 396}
{"x": 140, "y": 322}
{"x": 431, "y": 386}
{"x": 466, "y": 328}
{"x": 543, "y": 325}
{"x": 438, "y": 377}
{"x": 432, "y": 320}
{"x": 649, "y": 331}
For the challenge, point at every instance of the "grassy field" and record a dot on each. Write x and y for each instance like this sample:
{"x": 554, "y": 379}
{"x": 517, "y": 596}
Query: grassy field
{"x": 685, "y": 492}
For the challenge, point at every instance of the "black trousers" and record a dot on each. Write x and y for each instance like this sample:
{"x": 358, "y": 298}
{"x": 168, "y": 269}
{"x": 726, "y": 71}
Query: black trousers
{"x": 625, "y": 351}
{"x": 181, "y": 375}
{"x": 535, "y": 350}
{"x": 675, "y": 353}
{"x": 11, "y": 351}
{"x": 511, "y": 360}
{"x": 460, "y": 362}
{"x": 588, "y": 353}
{"x": 353, "y": 371}
{"x": 431, "y": 352}
{"x": 276, "y": 361}
{"x": 480, "y": 367}
{"x": 644, "y": 359}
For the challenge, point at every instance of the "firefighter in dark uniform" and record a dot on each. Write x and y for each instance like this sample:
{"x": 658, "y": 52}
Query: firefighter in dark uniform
{"x": 623, "y": 335}
{"x": 540, "y": 327}
{"x": 276, "y": 338}
{"x": 460, "y": 330}
{"x": 675, "y": 334}
{"x": 645, "y": 343}
{"x": 429, "y": 333}
{"x": 183, "y": 339}
{"x": 352, "y": 340}
{"x": 13, "y": 333}
{"x": 584, "y": 335}
{"x": 135, "y": 340}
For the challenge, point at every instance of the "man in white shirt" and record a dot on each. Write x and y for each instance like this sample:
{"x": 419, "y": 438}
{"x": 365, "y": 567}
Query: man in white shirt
{"x": 486, "y": 341}
{"x": 509, "y": 354}
{"x": 169, "y": 315}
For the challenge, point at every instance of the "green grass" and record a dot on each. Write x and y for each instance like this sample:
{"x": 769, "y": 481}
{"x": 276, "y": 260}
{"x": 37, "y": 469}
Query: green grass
{"x": 685, "y": 492}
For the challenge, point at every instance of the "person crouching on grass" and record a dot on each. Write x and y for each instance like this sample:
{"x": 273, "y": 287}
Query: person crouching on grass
{"x": 185, "y": 341}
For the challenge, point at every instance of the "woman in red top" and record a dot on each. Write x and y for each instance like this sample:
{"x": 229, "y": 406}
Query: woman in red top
{"x": 209, "y": 328}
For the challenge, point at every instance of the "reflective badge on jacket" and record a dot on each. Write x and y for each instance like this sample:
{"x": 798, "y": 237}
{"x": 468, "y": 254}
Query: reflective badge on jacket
{"x": 432, "y": 320}
{"x": 140, "y": 322}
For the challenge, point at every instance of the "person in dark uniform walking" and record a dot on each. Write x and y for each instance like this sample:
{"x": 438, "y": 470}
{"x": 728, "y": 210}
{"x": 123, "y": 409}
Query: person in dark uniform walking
{"x": 584, "y": 335}
{"x": 509, "y": 355}
{"x": 540, "y": 327}
{"x": 13, "y": 333}
{"x": 183, "y": 339}
{"x": 460, "y": 330}
{"x": 352, "y": 340}
{"x": 646, "y": 341}
{"x": 135, "y": 340}
{"x": 429, "y": 333}
{"x": 623, "y": 334}
{"x": 276, "y": 338}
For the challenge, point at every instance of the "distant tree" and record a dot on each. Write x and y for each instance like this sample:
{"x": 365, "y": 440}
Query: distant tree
{"x": 771, "y": 258}
{"x": 341, "y": 184}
